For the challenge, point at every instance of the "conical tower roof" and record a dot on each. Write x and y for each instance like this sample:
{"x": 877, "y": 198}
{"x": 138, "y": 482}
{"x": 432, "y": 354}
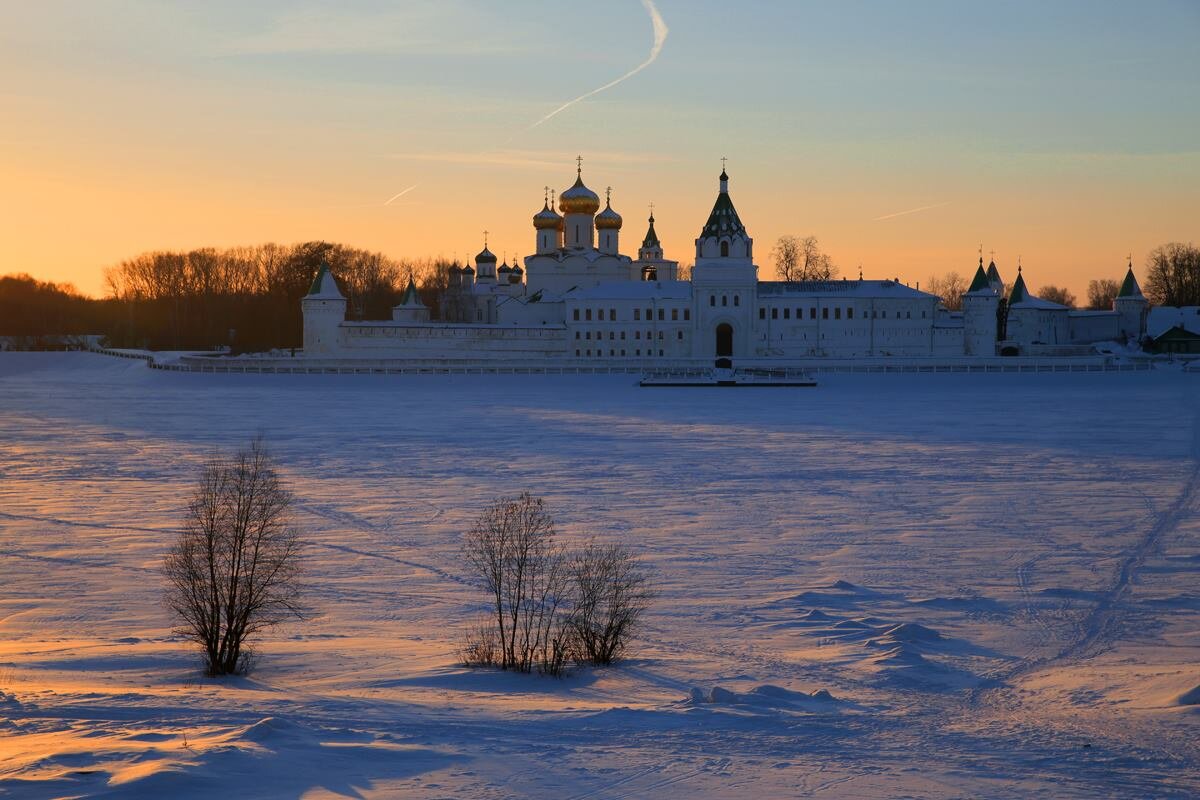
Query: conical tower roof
{"x": 651, "y": 239}
{"x": 1019, "y": 293}
{"x": 724, "y": 220}
{"x": 981, "y": 283}
{"x": 1129, "y": 287}
{"x": 324, "y": 286}
{"x": 411, "y": 298}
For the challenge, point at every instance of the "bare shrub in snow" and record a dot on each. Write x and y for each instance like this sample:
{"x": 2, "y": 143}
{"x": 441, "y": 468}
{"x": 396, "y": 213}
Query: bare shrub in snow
{"x": 513, "y": 550}
{"x": 480, "y": 646}
{"x": 549, "y": 607}
{"x": 234, "y": 570}
{"x": 611, "y": 593}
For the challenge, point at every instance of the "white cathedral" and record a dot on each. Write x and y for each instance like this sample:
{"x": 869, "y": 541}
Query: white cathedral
{"x": 578, "y": 299}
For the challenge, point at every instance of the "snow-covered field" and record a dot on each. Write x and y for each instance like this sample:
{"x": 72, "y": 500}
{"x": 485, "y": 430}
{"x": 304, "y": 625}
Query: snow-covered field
{"x": 994, "y": 577}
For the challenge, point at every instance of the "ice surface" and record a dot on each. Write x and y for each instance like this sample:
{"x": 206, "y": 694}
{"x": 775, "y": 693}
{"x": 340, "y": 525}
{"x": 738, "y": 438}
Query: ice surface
{"x": 994, "y": 575}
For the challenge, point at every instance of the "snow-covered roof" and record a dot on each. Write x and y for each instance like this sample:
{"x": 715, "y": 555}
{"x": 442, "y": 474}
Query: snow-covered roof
{"x": 633, "y": 290}
{"x": 1163, "y": 318}
{"x": 324, "y": 287}
{"x": 889, "y": 290}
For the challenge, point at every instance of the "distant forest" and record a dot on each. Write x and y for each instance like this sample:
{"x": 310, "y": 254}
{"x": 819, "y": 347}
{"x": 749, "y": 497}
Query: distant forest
{"x": 248, "y": 298}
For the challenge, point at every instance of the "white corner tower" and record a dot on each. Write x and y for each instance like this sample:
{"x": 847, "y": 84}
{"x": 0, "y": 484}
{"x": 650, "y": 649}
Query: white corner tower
{"x": 1131, "y": 307}
{"x": 324, "y": 310}
{"x": 980, "y": 305}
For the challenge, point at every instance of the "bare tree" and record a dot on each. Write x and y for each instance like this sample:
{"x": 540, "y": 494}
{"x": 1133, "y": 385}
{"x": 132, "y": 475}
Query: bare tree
{"x": 612, "y": 592}
{"x": 1102, "y": 293}
{"x": 1173, "y": 275}
{"x": 949, "y": 288}
{"x": 1056, "y": 294}
{"x": 512, "y": 549}
{"x": 799, "y": 258}
{"x": 234, "y": 570}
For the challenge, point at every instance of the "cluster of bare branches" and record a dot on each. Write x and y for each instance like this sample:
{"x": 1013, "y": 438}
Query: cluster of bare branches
{"x": 549, "y": 606}
{"x": 1101, "y": 293}
{"x": 1173, "y": 275}
{"x": 234, "y": 570}
{"x": 949, "y": 288}
{"x": 800, "y": 258}
{"x": 1057, "y": 294}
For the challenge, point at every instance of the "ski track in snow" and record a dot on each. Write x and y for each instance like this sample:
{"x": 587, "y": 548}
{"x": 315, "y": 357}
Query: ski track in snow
{"x": 972, "y": 545}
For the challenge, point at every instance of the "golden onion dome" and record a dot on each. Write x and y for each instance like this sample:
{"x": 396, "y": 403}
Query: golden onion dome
{"x": 579, "y": 199}
{"x": 485, "y": 257}
{"x": 547, "y": 218}
{"x": 608, "y": 219}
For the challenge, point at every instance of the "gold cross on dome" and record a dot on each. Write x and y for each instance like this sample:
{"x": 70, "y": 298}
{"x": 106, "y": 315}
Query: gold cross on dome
{"x": 485, "y": 233}
{"x": 723, "y": 160}
{"x": 608, "y": 194}
{"x": 579, "y": 165}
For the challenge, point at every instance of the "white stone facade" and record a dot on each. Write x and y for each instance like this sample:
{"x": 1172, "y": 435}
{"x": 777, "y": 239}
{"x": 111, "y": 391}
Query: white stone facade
{"x": 577, "y": 298}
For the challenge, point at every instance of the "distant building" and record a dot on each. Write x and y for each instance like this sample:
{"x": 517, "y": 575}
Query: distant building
{"x": 577, "y": 298}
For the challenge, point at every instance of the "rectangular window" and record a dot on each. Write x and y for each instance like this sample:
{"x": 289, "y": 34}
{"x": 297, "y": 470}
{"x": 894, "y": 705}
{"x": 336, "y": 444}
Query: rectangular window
{"x": 681, "y": 336}
{"x": 762, "y": 312}
{"x": 787, "y": 313}
{"x": 812, "y": 313}
{"x": 637, "y": 334}
{"x": 588, "y": 314}
{"x": 637, "y": 315}
{"x": 661, "y": 314}
{"x": 850, "y": 313}
{"x": 649, "y": 315}
{"x": 660, "y": 335}
{"x": 674, "y": 315}
{"x": 825, "y": 313}
{"x": 687, "y": 314}
{"x": 622, "y": 352}
{"x": 577, "y": 315}
{"x": 837, "y": 313}
{"x": 774, "y": 313}
{"x": 622, "y": 335}
{"x": 712, "y": 300}
{"x": 612, "y": 315}
{"x": 576, "y": 334}
{"x": 612, "y": 335}
{"x": 588, "y": 336}
{"x": 577, "y": 351}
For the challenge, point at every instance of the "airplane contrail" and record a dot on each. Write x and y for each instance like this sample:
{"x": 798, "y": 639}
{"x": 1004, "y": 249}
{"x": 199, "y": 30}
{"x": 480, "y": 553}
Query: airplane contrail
{"x": 660, "y": 36}
{"x": 912, "y": 211}
{"x": 398, "y": 195}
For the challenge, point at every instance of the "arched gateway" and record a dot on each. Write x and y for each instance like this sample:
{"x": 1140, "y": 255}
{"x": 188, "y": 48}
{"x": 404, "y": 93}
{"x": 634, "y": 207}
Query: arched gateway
{"x": 724, "y": 339}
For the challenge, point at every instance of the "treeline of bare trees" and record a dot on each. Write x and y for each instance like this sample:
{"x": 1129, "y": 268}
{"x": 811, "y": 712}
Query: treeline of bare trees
{"x": 244, "y": 297}
{"x": 33, "y": 308}
{"x": 549, "y": 605}
{"x": 234, "y": 571}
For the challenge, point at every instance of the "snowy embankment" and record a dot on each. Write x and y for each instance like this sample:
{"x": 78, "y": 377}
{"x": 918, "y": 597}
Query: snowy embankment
{"x": 891, "y": 585}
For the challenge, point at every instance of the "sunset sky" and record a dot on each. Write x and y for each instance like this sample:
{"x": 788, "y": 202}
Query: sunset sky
{"x": 1064, "y": 132}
